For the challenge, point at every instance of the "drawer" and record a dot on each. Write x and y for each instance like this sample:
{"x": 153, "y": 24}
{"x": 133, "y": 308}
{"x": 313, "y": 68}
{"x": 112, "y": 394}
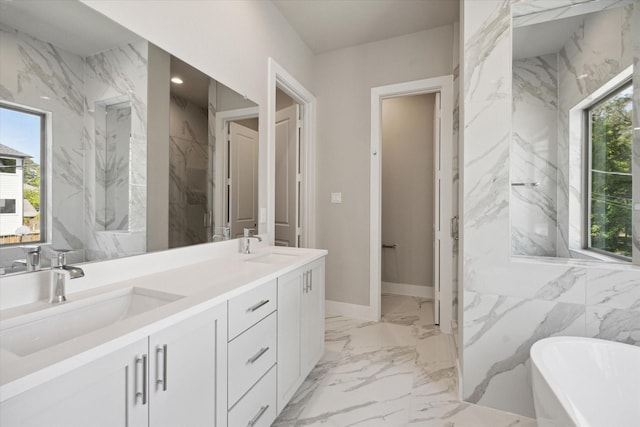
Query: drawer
{"x": 249, "y": 308}
{"x": 258, "y": 407}
{"x": 251, "y": 355}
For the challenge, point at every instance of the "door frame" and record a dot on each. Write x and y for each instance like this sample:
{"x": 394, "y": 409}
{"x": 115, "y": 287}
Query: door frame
{"x": 279, "y": 77}
{"x": 223, "y": 119}
{"x": 444, "y": 85}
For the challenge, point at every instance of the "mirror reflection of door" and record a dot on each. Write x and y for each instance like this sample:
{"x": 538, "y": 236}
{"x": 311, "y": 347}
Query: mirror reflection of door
{"x": 287, "y": 182}
{"x": 242, "y": 184}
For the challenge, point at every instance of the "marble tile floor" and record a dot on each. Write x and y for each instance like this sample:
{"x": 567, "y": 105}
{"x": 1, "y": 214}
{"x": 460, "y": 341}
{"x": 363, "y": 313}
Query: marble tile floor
{"x": 398, "y": 372}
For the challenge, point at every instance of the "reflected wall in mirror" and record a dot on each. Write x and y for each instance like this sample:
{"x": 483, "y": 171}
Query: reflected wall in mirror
{"x": 213, "y": 182}
{"x": 90, "y": 80}
{"x": 571, "y": 154}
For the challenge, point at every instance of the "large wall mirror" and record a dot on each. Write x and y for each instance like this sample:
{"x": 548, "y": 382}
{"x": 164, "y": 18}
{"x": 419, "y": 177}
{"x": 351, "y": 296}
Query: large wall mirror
{"x": 572, "y": 169}
{"x": 90, "y": 116}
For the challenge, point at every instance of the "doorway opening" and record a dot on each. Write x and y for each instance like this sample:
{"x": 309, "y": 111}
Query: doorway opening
{"x": 289, "y": 143}
{"x": 291, "y": 116}
{"x": 410, "y": 194}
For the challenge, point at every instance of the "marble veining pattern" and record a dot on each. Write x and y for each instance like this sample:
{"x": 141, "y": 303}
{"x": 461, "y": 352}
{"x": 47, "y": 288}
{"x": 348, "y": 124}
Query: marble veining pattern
{"x": 399, "y": 372}
{"x": 533, "y": 156}
{"x": 509, "y": 303}
{"x": 114, "y": 76}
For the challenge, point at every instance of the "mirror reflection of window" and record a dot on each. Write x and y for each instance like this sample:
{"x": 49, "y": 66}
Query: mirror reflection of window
{"x": 571, "y": 195}
{"x": 610, "y": 189}
{"x": 21, "y": 148}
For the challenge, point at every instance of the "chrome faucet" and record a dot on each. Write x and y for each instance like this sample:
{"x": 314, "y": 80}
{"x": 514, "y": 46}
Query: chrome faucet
{"x": 59, "y": 271}
{"x": 246, "y": 240}
{"x": 32, "y": 261}
{"x": 225, "y": 235}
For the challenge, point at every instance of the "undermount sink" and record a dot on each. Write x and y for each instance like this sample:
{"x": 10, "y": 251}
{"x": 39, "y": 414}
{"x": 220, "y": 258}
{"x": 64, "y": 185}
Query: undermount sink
{"x": 37, "y": 331}
{"x": 272, "y": 258}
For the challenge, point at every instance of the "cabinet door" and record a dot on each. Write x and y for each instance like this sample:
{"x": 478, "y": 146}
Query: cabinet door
{"x": 187, "y": 372}
{"x": 101, "y": 393}
{"x": 289, "y": 311}
{"x": 312, "y": 317}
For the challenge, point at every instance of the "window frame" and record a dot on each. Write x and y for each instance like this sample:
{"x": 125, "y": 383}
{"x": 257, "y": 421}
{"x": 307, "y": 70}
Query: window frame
{"x": 588, "y": 168}
{"x": 45, "y": 172}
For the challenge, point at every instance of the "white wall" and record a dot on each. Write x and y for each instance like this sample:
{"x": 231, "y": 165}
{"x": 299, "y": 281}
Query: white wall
{"x": 343, "y": 83}
{"x": 228, "y": 40}
{"x": 407, "y": 189}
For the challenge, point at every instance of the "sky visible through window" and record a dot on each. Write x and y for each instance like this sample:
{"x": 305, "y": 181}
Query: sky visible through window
{"x": 21, "y": 131}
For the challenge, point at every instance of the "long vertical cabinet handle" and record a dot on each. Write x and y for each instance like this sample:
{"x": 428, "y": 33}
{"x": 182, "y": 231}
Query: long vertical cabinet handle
{"x": 141, "y": 378}
{"x": 162, "y": 380}
{"x": 311, "y": 280}
{"x": 306, "y": 282}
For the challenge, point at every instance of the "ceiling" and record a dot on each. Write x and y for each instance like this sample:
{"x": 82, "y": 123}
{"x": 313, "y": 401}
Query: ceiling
{"x": 195, "y": 86}
{"x": 326, "y": 25}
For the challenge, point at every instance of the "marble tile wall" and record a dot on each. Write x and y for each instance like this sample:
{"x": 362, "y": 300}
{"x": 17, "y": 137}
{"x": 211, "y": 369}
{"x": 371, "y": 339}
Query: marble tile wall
{"x": 188, "y": 172}
{"x": 113, "y": 76}
{"x": 39, "y": 75}
{"x": 510, "y": 303}
{"x": 533, "y": 156}
{"x": 455, "y": 169}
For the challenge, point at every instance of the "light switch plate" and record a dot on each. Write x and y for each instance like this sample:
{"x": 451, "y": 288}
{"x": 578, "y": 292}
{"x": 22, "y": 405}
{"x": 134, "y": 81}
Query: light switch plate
{"x": 336, "y": 197}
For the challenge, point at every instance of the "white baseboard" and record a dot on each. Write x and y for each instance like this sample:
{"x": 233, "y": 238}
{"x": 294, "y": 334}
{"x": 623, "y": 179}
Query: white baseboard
{"x": 408, "y": 290}
{"x": 349, "y": 310}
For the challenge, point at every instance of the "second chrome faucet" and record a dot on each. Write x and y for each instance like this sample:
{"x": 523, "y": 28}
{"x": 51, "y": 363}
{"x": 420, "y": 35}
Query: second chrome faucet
{"x": 245, "y": 247}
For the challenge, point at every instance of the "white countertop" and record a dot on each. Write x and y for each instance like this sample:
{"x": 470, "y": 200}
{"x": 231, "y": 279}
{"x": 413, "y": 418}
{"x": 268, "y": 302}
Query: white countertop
{"x": 203, "y": 285}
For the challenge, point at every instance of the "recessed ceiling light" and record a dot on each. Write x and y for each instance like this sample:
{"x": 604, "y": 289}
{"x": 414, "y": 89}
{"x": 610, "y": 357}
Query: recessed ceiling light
{"x": 45, "y": 97}
{"x": 583, "y": 76}
{"x": 176, "y": 80}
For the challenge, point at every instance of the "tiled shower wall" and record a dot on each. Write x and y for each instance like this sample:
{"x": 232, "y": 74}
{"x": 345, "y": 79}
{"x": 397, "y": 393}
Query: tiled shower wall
{"x": 508, "y": 303}
{"x": 533, "y": 156}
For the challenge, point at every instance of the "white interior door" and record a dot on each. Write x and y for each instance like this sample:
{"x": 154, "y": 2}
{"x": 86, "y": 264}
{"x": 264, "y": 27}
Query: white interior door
{"x": 242, "y": 184}
{"x": 287, "y": 177}
{"x": 436, "y": 218}
{"x": 443, "y": 262}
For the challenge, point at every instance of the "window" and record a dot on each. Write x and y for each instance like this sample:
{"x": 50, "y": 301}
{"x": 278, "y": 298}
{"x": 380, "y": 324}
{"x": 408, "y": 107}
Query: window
{"x": 7, "y": 206}
{"x": 610, "y": 179}
{"x": 8, "y": 165}
{"x": 22, "y": 150}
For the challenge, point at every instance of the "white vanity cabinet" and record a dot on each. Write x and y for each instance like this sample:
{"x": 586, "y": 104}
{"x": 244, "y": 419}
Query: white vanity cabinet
{"x": 101, "y": 393}
{"x": 300, "y": 327}
{"x": 176, "y": 376}
{"x": 187, "y": 380}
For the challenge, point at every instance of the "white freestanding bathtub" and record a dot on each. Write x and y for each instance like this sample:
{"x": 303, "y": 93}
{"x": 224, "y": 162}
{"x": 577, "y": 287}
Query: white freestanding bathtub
{"x": 585, "y": 382}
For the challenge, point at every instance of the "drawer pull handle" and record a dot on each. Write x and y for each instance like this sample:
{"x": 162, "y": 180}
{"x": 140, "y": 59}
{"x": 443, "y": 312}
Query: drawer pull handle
{"x": 258, "y": 305}
{"x": 257, "y": 356}
{"x": 260, "y": 413}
